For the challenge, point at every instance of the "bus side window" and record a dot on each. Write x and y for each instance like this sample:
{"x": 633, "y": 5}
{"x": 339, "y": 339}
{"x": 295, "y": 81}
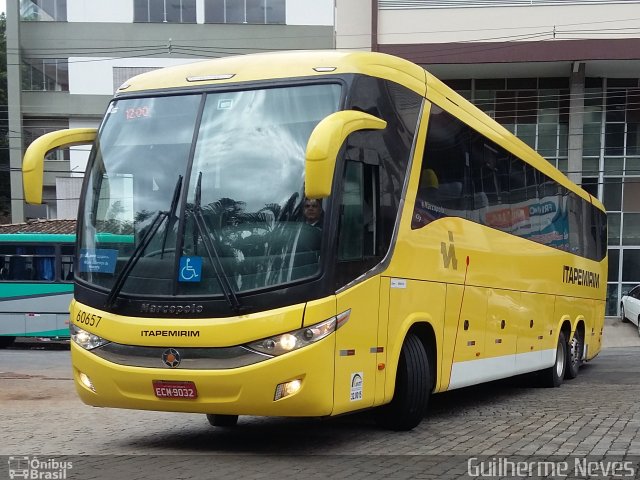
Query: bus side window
{"x": 18, "y": 268}
{"x": 4, "y": 268}
{"x": 575, "y": 222}
{"x": 45, "y": 264}
{"x": 445, "y": 166}
{"x": 66, "y": 263}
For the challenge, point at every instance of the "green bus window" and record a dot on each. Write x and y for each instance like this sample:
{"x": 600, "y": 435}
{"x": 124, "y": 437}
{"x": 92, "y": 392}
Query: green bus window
{"x": 66, "y": 260}
{"x": 45, "y": 264}
{"x": 20, "y": 267}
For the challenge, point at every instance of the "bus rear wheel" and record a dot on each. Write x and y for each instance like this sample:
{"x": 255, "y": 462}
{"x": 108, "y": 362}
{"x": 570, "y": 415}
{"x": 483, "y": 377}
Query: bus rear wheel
{"x": 6, "y": 341}
{"x": 222, "y": 420}
{"x": 413, "y": 383}
{"x": 574, "y": 355}
{"x": 553, "y": 376}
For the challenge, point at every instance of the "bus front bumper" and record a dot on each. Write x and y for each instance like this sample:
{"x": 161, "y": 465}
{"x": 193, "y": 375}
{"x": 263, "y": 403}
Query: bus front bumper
{"x": 247, "y": 390}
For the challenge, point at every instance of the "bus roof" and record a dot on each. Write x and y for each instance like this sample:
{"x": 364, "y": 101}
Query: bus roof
{"x": 276, "y": 65}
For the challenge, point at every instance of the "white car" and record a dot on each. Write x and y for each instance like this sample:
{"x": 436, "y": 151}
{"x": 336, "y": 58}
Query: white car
{"x": 630, "y": 306}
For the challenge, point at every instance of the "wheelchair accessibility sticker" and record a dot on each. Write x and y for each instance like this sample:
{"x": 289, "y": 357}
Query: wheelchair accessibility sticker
{"x": 190, "y": 269}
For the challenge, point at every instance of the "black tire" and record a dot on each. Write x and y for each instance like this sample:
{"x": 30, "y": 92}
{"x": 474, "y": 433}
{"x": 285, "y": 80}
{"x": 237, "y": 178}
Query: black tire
{"x": 553, "y": 376}
{"x": 6, "y": 341}
{"x": 622, "y": 315}
{"x": 222, "y": 420}
{"x": 575, "y": 350}
{"x": 413, "y": 388}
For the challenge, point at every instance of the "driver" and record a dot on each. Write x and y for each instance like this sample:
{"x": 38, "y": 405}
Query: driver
{"x": 313, "y": 213}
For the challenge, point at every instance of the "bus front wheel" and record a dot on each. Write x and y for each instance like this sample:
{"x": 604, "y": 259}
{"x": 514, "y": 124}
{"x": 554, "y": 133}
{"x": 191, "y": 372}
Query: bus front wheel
{"x": 553, "y": 376}
{"x": 222, "y": 420}
{"x": 413, "y": 384}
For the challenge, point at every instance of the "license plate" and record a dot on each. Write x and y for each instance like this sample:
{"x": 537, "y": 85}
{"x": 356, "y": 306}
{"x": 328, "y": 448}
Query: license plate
{"x": 179, "y": 390}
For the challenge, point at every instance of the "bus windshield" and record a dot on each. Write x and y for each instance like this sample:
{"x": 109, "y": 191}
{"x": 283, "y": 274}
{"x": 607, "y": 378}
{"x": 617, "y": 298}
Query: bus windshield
{"x": 202, "y": 194}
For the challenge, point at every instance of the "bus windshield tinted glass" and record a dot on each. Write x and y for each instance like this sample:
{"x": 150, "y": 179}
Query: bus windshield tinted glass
{"x": 248, "y": 158}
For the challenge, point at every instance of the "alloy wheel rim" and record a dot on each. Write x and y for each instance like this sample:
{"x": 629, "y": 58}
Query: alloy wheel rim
{"x": 559, "y": 361}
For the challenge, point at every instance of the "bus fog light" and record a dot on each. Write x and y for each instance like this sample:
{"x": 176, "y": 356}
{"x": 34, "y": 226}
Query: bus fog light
{"x": 86, "y": 381}
{"x": 287, "y": 388}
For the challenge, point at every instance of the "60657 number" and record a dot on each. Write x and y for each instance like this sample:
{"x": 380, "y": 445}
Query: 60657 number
{"x": 90, "y": 319}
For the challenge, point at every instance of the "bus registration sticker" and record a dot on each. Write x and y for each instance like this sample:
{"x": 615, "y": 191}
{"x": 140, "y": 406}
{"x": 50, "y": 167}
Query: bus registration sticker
{"x": 175, "y": 389}
{"x": 356, "y": 387}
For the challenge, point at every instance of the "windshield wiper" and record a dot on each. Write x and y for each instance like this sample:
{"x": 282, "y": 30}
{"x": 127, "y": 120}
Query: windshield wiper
{"x": 171, "y": 214}
{"x": 144, "y": 243}
{"x": 212, "y": 252}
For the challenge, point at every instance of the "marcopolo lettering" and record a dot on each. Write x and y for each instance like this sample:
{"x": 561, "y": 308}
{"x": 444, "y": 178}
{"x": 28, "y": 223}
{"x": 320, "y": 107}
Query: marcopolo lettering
{"x": 173, "y": 309}
{"x": 169, "y": 333}
{"x": 579, "y": 276}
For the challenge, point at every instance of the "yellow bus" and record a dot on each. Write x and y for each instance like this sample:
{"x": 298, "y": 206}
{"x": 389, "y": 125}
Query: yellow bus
{"x": 317, "y": 233}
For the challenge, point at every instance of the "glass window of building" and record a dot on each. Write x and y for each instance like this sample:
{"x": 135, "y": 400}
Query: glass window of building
{"x": 164, "y": 11}
{"x": 245, "y": 11}
{"x": 45, "y": 74}
{"x": 534, "y": 109}
{"x": 43, "y": 10}
{"x": 619, "y": 120}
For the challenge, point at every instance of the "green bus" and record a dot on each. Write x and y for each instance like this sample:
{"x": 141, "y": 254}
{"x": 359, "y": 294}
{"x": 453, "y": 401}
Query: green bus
{"x": 36, "y": 280}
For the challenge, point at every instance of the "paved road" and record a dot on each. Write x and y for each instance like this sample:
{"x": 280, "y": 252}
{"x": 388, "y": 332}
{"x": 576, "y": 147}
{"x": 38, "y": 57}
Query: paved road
{"x": 620, "y": 334}
{"x": 596, "y": 416}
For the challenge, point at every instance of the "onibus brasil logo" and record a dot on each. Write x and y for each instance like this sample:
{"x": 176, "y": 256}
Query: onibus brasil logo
{"x": 36, "y": 469}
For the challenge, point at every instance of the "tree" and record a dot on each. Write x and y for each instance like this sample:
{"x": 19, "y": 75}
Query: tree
{"x": 5, "y": 182}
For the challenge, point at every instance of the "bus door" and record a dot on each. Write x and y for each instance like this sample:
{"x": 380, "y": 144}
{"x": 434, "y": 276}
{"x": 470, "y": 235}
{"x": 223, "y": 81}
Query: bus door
{"x": 357, "y": 336}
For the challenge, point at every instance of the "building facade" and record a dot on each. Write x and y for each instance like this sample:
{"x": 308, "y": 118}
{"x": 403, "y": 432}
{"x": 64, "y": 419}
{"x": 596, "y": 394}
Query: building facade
{"x": 67, "y": 57}
{"x": 563, "y": 75}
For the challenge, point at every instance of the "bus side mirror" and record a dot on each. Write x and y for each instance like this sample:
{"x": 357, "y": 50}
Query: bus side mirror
{"x": 325, "y": 143}
{"x": 33, "y": 161}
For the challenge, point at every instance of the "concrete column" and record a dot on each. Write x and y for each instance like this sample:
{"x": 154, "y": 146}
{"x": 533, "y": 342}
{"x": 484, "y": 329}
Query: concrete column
{"x": 15, "y": 117}
{"x": 199, "y": 11}
{"x": 353, "y": 25}
{"x": 576, "y": 121}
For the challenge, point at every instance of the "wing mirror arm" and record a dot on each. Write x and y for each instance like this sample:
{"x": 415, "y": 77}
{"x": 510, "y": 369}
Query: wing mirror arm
{"x": 33, "y": 161}
{"x": 325, "y": 143}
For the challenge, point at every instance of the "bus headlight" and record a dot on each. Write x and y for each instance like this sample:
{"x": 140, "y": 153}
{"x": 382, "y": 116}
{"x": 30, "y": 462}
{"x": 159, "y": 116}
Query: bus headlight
{"x": 86, "y": 340}
{"x": 288, "y": 342}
